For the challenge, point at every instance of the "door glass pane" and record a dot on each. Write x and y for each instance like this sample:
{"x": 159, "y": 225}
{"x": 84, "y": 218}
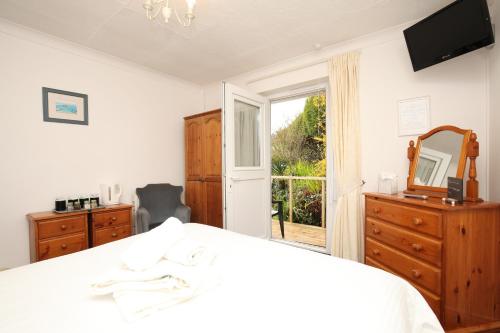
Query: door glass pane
{"x": 246, "y": 134}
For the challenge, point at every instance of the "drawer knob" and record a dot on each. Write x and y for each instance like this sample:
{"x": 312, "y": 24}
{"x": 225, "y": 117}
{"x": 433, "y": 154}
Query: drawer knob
{"x": 63, "y": 227}
{"x": 113, "y": 218}
{"x": 376, "y": 252}
{"x": 416, "y": 273}
{"x": 114, "y": 234}
{"x": 417, "y": 247}
{"x": 417, "y": 221}
{"x": 376, "y": 231}
{"x": 377, "y": 210}
{"x": 64, "y": 246}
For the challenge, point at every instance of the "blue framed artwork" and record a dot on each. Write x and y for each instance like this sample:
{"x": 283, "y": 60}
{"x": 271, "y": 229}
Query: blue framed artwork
{"x": 67, "y": 107}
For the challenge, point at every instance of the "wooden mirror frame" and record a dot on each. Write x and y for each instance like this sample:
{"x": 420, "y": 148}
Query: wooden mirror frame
{"x": 470, "y": 149}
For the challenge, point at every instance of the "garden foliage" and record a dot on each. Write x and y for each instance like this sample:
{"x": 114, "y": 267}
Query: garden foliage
{"x": 299, "y": 149}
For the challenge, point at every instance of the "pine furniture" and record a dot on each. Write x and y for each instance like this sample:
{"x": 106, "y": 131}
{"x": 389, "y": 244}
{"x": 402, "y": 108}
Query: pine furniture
{"x": 450, "y": 254}
{"x": 203, "y": 163}
{"x": 56, "y": 234}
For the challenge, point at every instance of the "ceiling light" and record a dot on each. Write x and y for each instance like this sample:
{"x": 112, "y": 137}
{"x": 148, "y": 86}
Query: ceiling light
{"x": 156, "y": 7}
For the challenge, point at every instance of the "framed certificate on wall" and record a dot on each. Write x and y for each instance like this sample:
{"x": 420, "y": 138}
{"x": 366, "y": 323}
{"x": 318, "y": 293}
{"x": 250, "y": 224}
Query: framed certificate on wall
{"x": 414, "y": 116}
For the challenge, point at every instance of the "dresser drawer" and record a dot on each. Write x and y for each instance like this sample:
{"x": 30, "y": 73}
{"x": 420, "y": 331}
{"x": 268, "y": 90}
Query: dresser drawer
{"x": 431, "y": 299}
{"x": 407, "y": 241}
{"x": 62, "y": 226}
{"x": 410, "y": 268}
{"x": 109, "y": 219}
{"x": 424, "y": 221}
{"x": 107, "y": 235}
{"x": 60, "y": 246}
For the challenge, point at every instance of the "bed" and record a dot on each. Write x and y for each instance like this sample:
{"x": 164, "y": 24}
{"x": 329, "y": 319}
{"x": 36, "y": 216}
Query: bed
{"x": 265, "y": 286}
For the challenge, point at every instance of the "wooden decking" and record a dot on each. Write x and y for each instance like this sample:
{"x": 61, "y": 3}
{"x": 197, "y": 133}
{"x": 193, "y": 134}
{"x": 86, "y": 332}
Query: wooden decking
{"x": 301, "y": 233}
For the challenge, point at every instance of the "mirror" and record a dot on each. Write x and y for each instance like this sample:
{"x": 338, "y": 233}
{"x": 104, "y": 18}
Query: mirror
{"x": 438, "y": 159}
{"x": 439, "y": 154}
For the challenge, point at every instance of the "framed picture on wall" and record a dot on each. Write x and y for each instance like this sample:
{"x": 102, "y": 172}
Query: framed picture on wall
{"x": 68, "y": 107}
{"x": 414, "y": 116}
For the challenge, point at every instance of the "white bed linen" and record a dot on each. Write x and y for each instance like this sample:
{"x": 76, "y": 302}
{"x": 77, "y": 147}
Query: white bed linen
{"x": 265, "y": 287}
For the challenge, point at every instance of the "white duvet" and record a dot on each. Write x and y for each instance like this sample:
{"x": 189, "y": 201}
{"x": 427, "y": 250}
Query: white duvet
{"x": 265, "y": 287}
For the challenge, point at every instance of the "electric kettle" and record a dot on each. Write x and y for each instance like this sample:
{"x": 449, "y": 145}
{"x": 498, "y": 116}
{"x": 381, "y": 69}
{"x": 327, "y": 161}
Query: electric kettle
{"x": 110, "y": 194}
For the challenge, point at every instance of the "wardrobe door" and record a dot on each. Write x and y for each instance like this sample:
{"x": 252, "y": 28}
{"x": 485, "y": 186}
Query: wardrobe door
{"x": 212, "y": 147}
{"x": 212, "y": 191}
{"x": 193, "y": 130}
{"x": 195, "y": 200}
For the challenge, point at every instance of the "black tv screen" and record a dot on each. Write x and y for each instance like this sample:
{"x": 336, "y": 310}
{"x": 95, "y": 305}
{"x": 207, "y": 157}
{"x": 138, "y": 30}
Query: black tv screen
{"x": 461, "y": 27}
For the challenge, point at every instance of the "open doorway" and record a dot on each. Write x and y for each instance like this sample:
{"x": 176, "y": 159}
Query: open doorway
{"x": 298, "y": 167}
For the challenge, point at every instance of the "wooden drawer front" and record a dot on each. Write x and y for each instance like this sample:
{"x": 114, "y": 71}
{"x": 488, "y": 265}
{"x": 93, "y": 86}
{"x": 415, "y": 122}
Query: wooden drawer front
{"x": 109, "y": 219}
{"x": 412, "y": 243}
{"x": 411, "y": 269}
{"x": 417, "y": 219}
{"x": 431, "y": 299}
{"x": 108, "y": 235}
{"x": 60, "y": 227}
{"x": 60, "y": 246}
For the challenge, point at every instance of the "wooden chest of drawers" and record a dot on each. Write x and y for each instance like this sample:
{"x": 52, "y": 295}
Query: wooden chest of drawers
{"x": 53, "y": 234}
{"x": 451, "y": 255}
{"x": 111, "y": 225}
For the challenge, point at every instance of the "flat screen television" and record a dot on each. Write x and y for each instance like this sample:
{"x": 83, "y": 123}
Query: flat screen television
{"x": 459, "y": 28}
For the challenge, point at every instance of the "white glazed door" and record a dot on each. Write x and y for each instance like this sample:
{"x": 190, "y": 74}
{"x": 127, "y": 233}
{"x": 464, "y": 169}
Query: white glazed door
{"x": 246, "y": 162}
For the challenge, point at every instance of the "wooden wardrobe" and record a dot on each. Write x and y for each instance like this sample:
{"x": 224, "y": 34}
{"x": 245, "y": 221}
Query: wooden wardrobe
{"x": 203, "y": 154}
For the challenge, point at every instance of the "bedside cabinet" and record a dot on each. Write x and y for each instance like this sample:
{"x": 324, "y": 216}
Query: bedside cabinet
{"x": 56, "y": 234}
{"x": 53, "y": 235}
{"x": 111, "y": 224}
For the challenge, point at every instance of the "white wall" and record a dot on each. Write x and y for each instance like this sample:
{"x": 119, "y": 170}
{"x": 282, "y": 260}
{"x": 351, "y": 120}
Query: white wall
{"x": 212, "y": 96}
{"x": 495, "y": 114}
{"x": 135, "y": 135}
{"x": 458, "y": 90}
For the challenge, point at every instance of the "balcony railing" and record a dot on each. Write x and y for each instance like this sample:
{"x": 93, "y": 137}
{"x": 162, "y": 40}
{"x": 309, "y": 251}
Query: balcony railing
{"x": 290, "y": 180}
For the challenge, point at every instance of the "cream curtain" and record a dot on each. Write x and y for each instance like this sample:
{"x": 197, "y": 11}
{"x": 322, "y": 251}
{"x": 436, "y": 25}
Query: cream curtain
{"x": 347, "y": 238}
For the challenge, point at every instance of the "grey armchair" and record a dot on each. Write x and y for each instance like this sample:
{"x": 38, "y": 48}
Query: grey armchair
{"x": 158, "y": 202}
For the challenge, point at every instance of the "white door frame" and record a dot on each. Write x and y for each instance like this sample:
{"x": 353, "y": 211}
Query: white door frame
{"x": 330, "y": 180}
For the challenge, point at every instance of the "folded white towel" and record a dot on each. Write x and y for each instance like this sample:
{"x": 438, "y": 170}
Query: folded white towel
{"x": 138, "y": 304}
{"x": 134, "y": 304}
{"x": 164, "y": 275}
{"x": 147, "y": 250}
{"x": 188, "y": 252}
{"x": 141, "y": 293}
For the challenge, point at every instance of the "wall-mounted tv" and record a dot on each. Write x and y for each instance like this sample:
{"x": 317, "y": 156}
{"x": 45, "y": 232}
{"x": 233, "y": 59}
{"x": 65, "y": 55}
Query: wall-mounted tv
{"x": 459, "y": 28}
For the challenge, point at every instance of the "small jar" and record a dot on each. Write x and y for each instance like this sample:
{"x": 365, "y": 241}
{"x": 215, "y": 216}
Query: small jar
{"x": 73, "y": 201}
{"x": 60, "y": 205}
{"x": 94, "y": 197}
{"x": 84, "y": 202}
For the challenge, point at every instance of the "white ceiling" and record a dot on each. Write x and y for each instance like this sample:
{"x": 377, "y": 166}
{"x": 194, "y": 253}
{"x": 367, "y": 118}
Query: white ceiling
{"x": 227, "y": 38}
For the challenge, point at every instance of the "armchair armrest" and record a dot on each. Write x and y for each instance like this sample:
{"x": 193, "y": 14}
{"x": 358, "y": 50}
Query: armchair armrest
{"x": 143, "y": 220}
{"x": 183, "y": 213}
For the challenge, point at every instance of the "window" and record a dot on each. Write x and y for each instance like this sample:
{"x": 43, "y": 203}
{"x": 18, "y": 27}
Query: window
{"x": 247, "y": 134}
